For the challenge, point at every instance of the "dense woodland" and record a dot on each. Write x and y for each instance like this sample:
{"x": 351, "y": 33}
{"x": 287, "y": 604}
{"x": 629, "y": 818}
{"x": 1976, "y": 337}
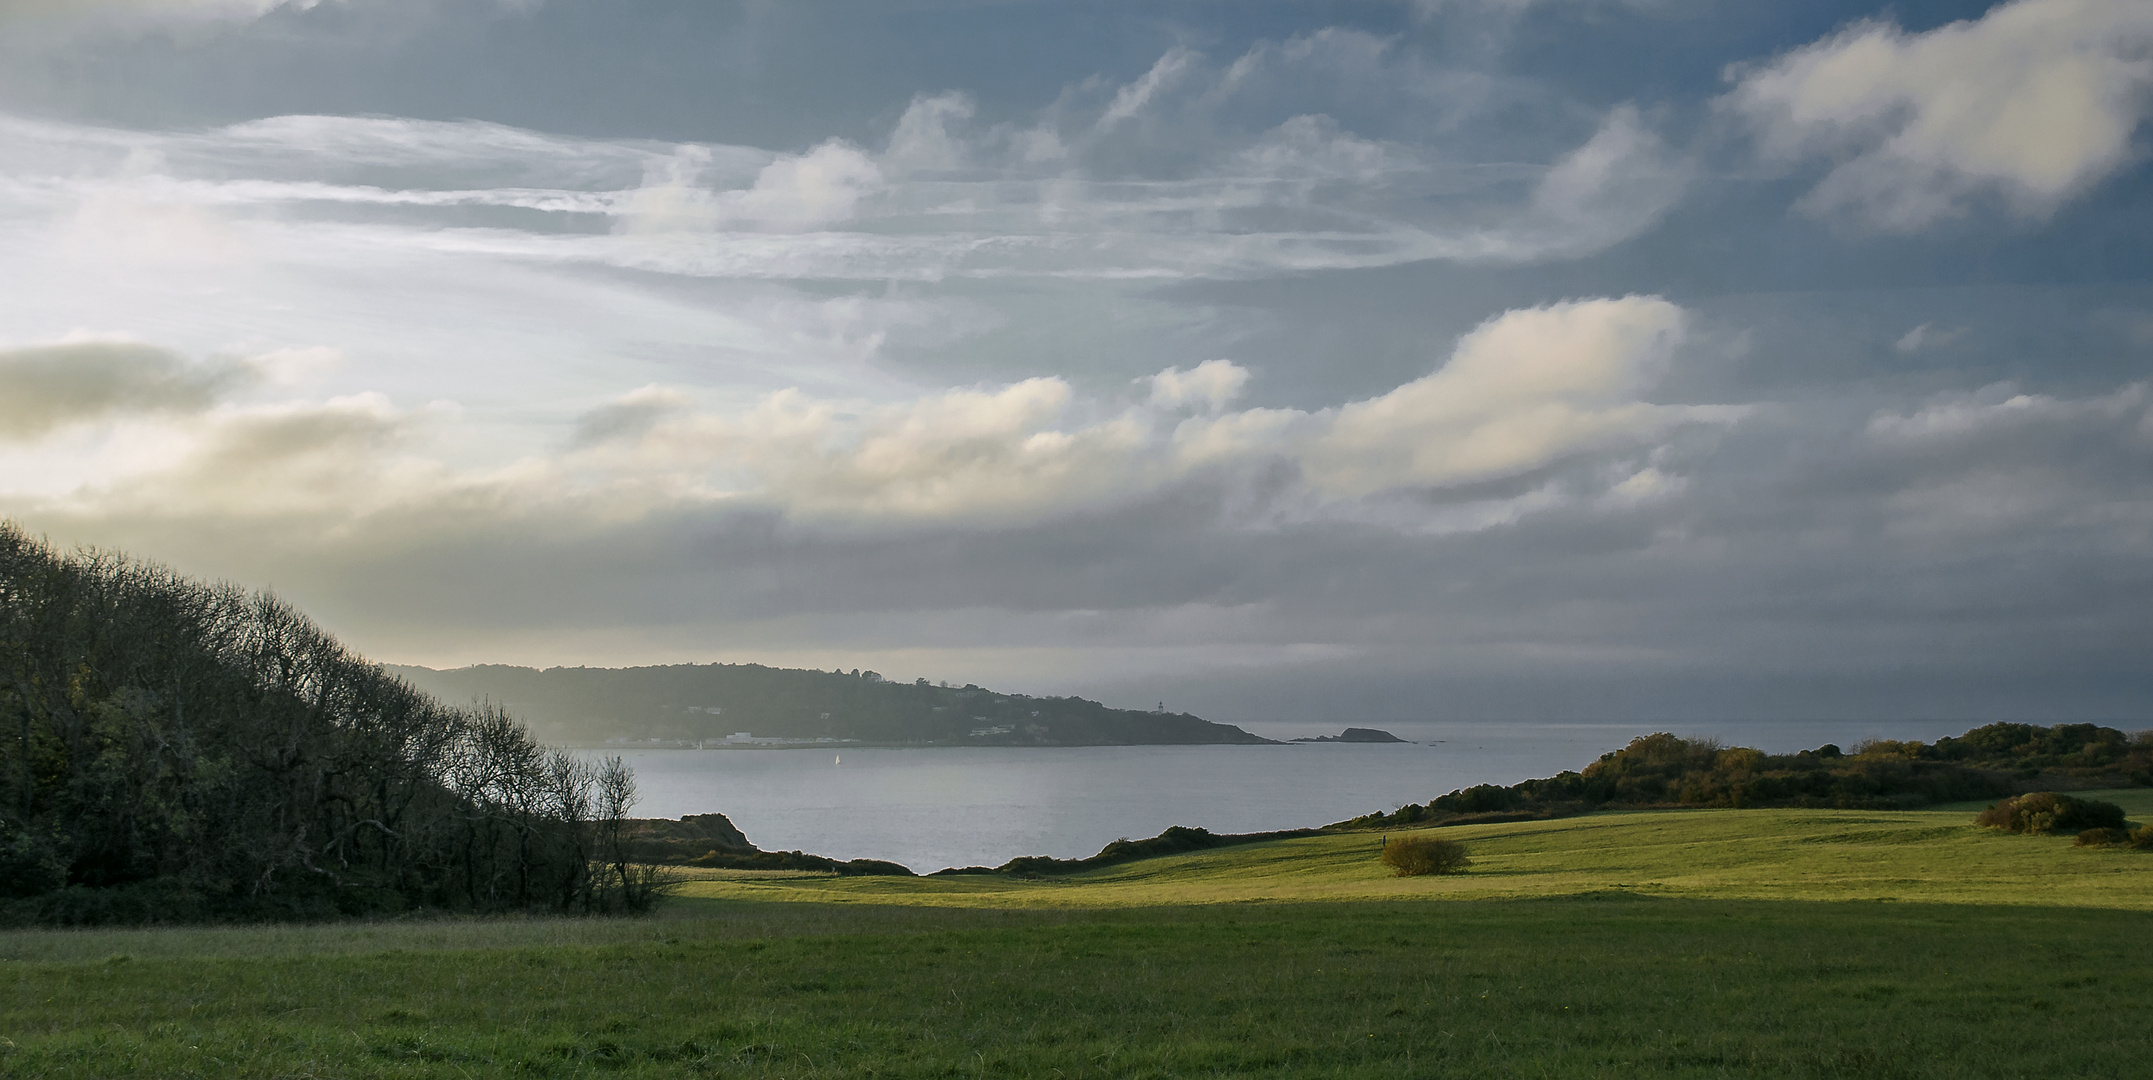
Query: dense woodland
{"x": 173, "y": 750}
{"x": 1664, "y": 770}
{"x": 700, "y": 702}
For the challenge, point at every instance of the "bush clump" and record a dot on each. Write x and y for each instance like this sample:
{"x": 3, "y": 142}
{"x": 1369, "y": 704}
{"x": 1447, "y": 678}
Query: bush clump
{"x": 1413, "y": 856}
{"x": 2101, "y": 838}
{"x": 2049, "y": 812}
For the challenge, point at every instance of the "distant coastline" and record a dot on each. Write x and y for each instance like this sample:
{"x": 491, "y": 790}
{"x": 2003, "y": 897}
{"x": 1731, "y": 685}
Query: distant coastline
{"x": 749, "y": 706}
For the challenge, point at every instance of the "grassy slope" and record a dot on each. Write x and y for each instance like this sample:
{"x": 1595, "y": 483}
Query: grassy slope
{"x": 1658, "y": 979}
{"x": 1932, "y": 855}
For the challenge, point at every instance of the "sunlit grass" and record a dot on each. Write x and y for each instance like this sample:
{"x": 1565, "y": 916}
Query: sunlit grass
{"x": 1929, "y": 855}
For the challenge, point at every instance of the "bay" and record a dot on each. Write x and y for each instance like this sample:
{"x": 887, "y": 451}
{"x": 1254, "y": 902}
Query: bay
{"x": 934, "y": 807}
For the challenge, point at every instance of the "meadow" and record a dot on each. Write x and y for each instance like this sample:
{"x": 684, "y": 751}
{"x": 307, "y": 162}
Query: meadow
{"x": 1670, "y": 943}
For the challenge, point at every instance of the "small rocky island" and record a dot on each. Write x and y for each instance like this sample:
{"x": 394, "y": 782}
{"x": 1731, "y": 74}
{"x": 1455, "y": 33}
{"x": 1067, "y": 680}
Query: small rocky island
{"x": 1357, "y": 734}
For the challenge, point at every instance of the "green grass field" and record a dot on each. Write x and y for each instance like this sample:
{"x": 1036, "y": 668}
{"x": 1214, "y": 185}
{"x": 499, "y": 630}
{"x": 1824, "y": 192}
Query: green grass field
{"x": 1926, "y": 855}
{"x": 1711, "y": 943}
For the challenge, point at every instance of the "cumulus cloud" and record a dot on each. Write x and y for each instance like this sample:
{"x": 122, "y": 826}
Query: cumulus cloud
{"x": 1211, "y": 385}
{"x": 283, "y": 459}
{"x": 1526, "y": 390}
{"x": 1523, "y": 390}
{"x": 45, "y": 387}
{"x": 2030, "y": 104}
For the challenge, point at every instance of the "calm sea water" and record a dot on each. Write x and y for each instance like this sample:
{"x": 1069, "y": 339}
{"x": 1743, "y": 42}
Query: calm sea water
{"x": 964, "y": 806}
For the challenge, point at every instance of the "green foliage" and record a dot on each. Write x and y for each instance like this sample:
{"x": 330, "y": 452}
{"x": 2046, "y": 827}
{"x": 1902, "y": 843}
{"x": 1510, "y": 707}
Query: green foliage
{"x": 2051, "y": 812}
{"x": 2102, "y": 838}
{"x": 1667, "y": 770}
{"x": 173, "y": 750}
{"x": 1412, "y": 856}
{"x": 30, "y": 861}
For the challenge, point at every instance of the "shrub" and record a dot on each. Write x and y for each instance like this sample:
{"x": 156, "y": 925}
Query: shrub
{"x": 2142, "y": 838}
{"x": 2049, "y": 812}
{"x": 1413, "y": 856}
{"x": 2101, "y": 838}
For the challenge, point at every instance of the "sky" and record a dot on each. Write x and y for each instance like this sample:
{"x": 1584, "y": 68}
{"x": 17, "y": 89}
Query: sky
{"x": 1462, "y": 359}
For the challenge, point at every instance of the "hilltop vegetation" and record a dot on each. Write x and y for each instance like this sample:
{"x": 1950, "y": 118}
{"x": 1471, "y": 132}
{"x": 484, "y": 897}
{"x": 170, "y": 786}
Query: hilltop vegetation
{"x": 1665, "y": 770}
{"x": 173, "y": 750}
{"x": 699, "y": 702}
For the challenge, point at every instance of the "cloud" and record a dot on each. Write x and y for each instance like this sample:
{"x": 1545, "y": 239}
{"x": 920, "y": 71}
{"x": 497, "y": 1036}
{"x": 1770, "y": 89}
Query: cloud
{"x": 1926, "y": 336}
{"x": 1210, "y": 385}
{"x": 1192, "y": 196}
{"x": 1614, "y": 187}
{"x": 50, "y": 23}
{"x": 795, "y": 192}
{"x": 1996, "y": 410}
{"x": 45, "y": 387}
{"x": 1526, "y": 390}
{"x": 1314, "y": 146}
{"x": 2031, "y": 104}
{"x": 629, "y": 417}
{"x": 166, "y": 9}
{"x": 1134, "y": 97}
{"x": 922, "y": 140}
{"x": 1629, "y": 540}
{"x": 2064, "y": 477}
{"x": 280, "y": 460}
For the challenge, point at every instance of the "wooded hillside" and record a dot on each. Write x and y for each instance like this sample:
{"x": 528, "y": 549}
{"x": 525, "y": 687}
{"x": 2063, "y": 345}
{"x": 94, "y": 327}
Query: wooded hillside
{"x": 699, "y": 702}
{"x": 173, "y": 750}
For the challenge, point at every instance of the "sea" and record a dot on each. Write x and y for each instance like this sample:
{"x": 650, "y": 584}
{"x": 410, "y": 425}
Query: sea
{"x": 935, "y": 807}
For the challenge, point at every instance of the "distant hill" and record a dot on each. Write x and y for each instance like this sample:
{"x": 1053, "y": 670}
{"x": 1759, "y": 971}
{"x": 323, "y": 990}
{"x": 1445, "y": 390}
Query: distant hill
{"x": 702, "y": 702}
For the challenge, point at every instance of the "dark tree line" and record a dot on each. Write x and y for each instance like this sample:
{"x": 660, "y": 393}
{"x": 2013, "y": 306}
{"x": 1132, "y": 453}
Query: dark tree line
{"x": 172, "y": 750}
{"x": 1665, "y": 770}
